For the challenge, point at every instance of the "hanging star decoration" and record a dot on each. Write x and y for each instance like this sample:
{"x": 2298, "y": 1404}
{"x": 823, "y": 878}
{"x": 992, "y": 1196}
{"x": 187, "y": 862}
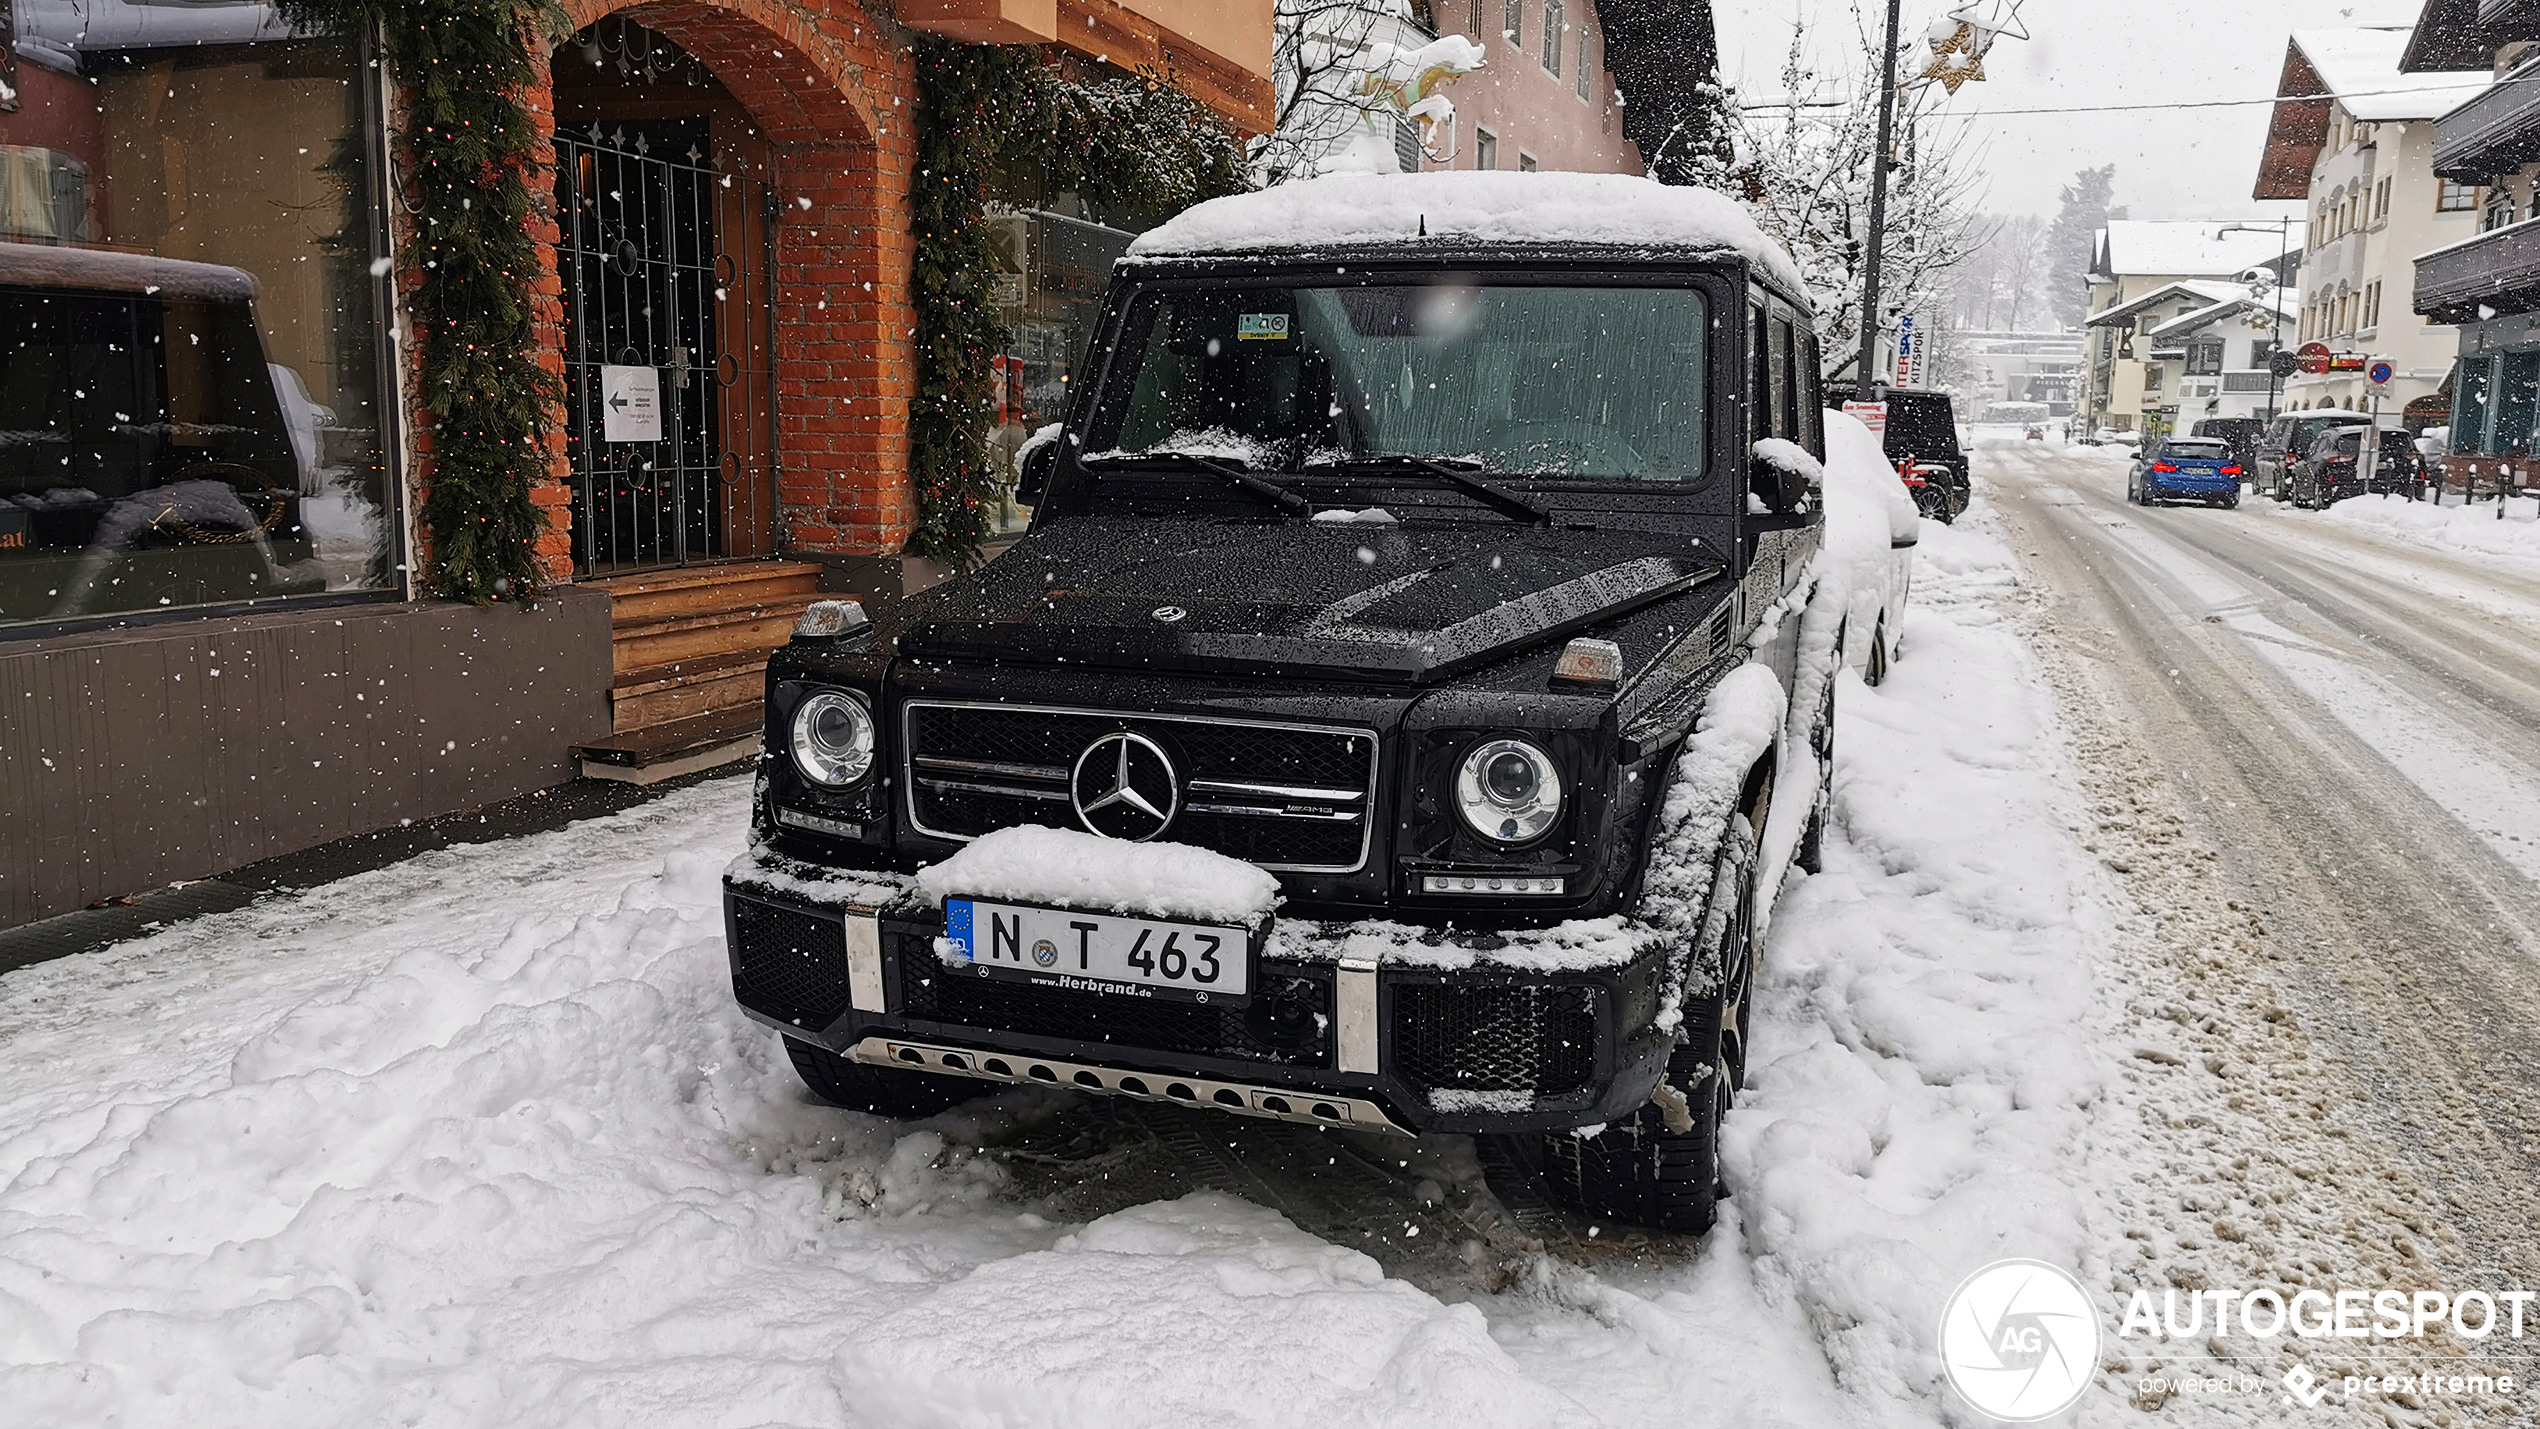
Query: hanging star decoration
{"x": 1958, "y": 43}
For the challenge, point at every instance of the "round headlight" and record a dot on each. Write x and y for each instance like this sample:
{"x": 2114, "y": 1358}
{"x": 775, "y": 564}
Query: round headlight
{"x": 1508, "y": 791}
{"x": 833, "y": 739}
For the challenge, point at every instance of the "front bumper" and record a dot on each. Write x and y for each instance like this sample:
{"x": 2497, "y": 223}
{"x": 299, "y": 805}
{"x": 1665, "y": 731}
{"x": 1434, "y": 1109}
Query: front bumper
{"x": 1375, "y": 1025}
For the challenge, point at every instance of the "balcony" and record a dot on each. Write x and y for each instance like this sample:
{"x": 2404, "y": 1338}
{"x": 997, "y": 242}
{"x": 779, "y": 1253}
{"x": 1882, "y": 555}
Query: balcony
{"x": 2497, "y": 272}
{"x": 2495, "y": 133}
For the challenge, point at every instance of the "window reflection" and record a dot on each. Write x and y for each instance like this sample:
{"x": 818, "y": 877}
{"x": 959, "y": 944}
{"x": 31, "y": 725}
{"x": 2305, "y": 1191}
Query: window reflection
{"x": 189, "y": 379}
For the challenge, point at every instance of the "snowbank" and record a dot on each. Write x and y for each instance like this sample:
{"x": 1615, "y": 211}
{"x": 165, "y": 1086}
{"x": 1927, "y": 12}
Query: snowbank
{"x": 1495, "y": 206}
{"x": 2472, "y": 528}
{"x": 1923, "y": 1068}
{"x": 1067, "y": 869}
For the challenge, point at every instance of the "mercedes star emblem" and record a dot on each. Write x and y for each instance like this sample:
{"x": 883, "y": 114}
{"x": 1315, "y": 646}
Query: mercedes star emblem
{"x": 1124, "y": 787}
{"x": 1170, "y": 613}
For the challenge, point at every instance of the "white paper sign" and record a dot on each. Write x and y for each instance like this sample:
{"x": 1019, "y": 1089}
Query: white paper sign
{"x": 1873, "y": 415}
{"x": 630, "y": 404}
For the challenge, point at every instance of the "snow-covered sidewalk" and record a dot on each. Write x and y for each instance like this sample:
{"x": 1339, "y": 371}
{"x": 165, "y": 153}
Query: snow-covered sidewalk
{"x": 481, "y": 1139}
{"x": 2476, "y": 529}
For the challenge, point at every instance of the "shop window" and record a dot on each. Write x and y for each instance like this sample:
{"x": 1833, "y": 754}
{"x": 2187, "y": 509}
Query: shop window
{"x": 191, "y": 405}
{"x": 2516, "y": 397}
{"x": 2473, "y": 398}
{"x": 1052, "y": 272}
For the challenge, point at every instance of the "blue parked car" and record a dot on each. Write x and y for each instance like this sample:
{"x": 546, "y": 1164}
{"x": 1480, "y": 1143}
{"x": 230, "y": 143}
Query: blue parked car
{"x": 2185, "y": 469}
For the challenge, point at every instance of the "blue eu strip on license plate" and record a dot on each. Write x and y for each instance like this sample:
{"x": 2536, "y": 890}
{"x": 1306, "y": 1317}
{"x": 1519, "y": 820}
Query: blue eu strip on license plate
{"x": 1101, "y": 952}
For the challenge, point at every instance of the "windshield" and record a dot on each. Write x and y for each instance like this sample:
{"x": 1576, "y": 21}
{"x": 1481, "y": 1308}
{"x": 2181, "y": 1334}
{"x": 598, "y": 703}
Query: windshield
{"x": 1564, "y": 382}
{"x": 2197, "y": 451}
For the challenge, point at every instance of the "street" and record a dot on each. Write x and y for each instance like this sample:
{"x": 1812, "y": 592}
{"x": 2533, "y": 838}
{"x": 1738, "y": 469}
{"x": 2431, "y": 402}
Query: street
{"x": 2346, "y": 721}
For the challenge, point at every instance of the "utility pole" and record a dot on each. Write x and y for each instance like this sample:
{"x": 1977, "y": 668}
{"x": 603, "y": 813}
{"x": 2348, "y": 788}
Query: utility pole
{"x": 1878, "y": 209}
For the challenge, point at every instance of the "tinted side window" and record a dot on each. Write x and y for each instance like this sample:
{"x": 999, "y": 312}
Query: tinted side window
{"x": 1759, "y": 407}
{"x": 1812, "y": 395}
{"x": 1779, "y": 380}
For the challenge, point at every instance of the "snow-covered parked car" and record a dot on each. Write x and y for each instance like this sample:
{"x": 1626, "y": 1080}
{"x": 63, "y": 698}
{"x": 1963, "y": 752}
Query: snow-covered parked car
{"x": 1872, "y": 526}
{"x": 1407, "y": 695}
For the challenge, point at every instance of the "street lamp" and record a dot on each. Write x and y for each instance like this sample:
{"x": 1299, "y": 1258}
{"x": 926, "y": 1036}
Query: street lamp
{"x": 2284, "y": 236}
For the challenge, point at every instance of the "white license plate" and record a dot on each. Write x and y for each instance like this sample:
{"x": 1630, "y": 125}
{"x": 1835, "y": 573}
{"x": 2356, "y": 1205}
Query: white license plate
{"x": 1101, "y": 952}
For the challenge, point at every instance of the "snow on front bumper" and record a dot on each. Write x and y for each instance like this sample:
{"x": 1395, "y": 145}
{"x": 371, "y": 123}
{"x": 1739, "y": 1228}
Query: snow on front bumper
{"x": 1392, "y": 1025}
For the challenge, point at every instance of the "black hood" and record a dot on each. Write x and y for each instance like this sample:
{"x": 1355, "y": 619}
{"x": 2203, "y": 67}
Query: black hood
{"x": 1401, "y": 604}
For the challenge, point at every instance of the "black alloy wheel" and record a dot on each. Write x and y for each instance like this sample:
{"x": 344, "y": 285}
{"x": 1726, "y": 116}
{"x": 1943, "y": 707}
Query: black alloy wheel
{"x": 1660, "y": 1167}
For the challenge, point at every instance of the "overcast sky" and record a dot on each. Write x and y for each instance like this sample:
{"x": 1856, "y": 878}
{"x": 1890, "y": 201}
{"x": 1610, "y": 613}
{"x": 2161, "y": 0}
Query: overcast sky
{"x": 2198, "y": 163}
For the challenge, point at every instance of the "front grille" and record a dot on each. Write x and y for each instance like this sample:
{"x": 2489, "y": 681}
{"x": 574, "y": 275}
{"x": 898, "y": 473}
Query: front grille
{"x": 1287, "y": 1022}
{"x": 1289, "y": 798}
{"x": 788, "y": 964}
{"x": 1524, "y": 1038}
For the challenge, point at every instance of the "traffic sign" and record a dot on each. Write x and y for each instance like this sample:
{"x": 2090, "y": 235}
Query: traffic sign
{"x": 630, "y": 403}
{"x": 2379, "y": 372}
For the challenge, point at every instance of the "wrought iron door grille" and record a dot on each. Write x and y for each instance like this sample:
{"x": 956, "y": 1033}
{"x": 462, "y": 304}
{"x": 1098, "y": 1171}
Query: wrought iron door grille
{"x": 665, "y": 259}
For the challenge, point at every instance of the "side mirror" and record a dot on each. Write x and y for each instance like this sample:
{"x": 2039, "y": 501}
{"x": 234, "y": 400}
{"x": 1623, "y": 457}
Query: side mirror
{"x": 1784, "y": 477}
{"x": 1035, "y": 479}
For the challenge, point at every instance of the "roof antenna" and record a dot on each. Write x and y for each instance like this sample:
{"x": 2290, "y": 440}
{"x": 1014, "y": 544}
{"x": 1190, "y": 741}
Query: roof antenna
{"x": 1424, "y": 225}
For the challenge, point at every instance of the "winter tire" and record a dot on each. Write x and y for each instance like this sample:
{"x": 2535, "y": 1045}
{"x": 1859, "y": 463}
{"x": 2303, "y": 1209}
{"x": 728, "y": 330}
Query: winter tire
{"x": 883, "y": 1091}
{"x": 1811, "y": 854}
{"x": 1641, "y": 1171}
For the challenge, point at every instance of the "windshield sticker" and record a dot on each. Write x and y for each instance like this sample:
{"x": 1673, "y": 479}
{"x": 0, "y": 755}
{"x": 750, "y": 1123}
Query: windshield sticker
{"x": 1253, "y": 327}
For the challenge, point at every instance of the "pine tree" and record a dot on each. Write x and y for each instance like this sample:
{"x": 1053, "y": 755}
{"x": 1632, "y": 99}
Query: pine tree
{"x": 2070, "y": 242}
{"x": 1665, "y": 58}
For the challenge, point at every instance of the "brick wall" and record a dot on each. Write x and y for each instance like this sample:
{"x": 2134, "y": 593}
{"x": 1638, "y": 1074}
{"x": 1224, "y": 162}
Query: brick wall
{"x": 832, "y": 89}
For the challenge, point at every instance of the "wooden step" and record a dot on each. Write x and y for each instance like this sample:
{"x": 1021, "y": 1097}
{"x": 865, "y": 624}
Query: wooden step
{"x": 701, "y": 590}
{"x": 666, "y": 751}
{"x": 759, "y": 627}
{"x": 664, "y": 693}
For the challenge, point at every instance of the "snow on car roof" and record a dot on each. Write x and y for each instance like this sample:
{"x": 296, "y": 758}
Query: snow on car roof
{"x": 2361, "y": 68}
{"x": 1495, "y": 206}
{"x": 45, "y": 265}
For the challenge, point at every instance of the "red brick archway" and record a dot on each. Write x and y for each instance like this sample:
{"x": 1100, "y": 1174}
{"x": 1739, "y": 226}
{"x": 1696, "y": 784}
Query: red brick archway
{"x": 832, "y": 92}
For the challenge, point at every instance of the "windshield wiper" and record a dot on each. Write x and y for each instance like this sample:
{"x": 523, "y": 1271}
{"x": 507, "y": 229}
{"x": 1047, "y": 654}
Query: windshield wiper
{"x": 1491, "y": 494}
{"x": 1271, "y": 491}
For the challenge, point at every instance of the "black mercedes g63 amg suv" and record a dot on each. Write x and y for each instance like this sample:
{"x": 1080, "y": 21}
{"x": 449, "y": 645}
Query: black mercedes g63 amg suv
{"x": 1440, "y": 546}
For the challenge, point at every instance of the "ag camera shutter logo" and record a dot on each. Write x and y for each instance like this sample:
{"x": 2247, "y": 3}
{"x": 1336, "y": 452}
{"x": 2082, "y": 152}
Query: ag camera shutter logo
{"x": 2020, "y": 1340}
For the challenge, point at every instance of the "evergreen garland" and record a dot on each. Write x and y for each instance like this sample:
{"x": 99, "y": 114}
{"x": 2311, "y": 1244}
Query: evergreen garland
{"x": 1131, "y": 142}
{"x": 462, "y": 67}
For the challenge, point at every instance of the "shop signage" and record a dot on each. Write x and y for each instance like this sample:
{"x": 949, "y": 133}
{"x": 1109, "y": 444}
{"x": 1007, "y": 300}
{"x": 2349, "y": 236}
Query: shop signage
{"x": 2346, "y": 362}
{"x": 2315, "y": 357}
{"x": 630, "y": 404}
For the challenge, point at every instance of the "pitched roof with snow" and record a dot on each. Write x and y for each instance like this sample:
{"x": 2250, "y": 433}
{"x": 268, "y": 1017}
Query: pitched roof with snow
{"x": 2203, "y": 292}
{"x": 2286, "y": 304}
{"x": 2358, "y": 68}
{"x": 1484, "y": 206}
{"x": 2147, "y": 248}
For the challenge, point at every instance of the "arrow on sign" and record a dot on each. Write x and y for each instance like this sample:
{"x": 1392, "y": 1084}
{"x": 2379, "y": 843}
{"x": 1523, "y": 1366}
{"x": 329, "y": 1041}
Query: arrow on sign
{"x": 619, "y": 402}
